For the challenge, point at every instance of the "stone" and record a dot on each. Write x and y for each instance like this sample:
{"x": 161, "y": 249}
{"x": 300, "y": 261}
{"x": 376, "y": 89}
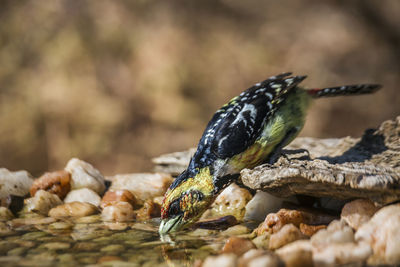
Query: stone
{"x": 336, "y": 232}
{"x": 310, "y": 230}
{"x": 202, "y": 232}
{"x": 61, "y": 226}
{"x": 91, "y": 219}
{"x": 237, "y": 245}
{"x": 224, "y": 260}
{"x": 341, "y": 254}
{"x": 117, "y": 196}
{"x": 158, "y": 200}
{"x": 57, "y": 246}
{"x": 17, "y": 251}
{"x": 265, "y": 260}
{"x": 342, "y": 168}
{"x": 13, "y": 203}
{"x": 116, "y": 248}
{"x": 232, "y": 201}
{"x": 382, "y": 233}
{"x": 117, "y": 226}
{"x": 58, "y": 183}
{"x": 118, "y": 212}
{"x": 14, "y": 183}
{"x": 18, "y": 222}
{"x": 148, "y": 211}
{"x": 221, "y": 223}
{"x": 297, "y": 253}
{"x": 108, "y": 258}
{"x": 73, "y": 209}
{"x": 236, "y": 230}
{"x": 83, "y": 195}
{"x": 262, "y": 241}
{"x": 84, "y": 175}
{"x": 173, "y": 163}
{"x": 262, "y": 204}
{"x": 5, "y": 214}
{"x": 259, "y": 257}
{"x": 42, "y": 202}
{"x": 6, "y": 246}
{"x": 358, "y": 212}
{"x": 143, "y": 186}
{"x": 286, "y": 235}
{"x": 275, "y": 221}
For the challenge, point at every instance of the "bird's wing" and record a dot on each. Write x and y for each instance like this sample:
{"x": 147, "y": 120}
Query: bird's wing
{"x": 239, "y": 124}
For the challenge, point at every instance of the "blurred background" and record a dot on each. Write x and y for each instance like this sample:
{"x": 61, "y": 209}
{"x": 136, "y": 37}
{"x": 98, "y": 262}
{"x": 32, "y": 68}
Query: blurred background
{"x": 119, "y": 82}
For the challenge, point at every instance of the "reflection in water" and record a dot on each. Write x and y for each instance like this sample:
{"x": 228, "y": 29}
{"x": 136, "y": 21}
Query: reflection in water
{"x": 72, "y": 243}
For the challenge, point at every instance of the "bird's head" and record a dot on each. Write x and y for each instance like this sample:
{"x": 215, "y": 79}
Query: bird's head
{"x": 186, "y": 200}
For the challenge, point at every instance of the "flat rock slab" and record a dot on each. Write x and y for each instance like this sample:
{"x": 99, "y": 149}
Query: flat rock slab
{"x": 368, "y": 167}
{"x": 173, "y": 163}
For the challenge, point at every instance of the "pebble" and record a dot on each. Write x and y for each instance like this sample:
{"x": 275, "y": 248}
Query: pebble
{"x": 224, "y": 260}
{"x": 5, "y": 214}
{"x": 118, "y": 196}
{"x": 148, "y": 211}
{"x": 57, "y": 246}
{"x": 42, "y": 202}
{"x": 6, "y": 246}
{"x": 287, "y": 234}
{"x": 86, "y": 246}
{"x": 262, "y": 241}
{"x": 341, "y": 254}
{"x": 84, "y": 175}
{"x": 261, "y": 205}
{"x": 116, "y": 226}
{"x": 17, "y": 251}
{"x": 382, "y": 233}
{"x": 61, "y": 226}
{"x": 142, "y": 185}
{"x": 237, "y": 245}
{"x": 108, "y": 258}
{"x": 158, "y": 200}
{"x": 33, "y": 235}
{"x": 202, "y": 232}
{"x": 113, "y": 248}
{"x": 88, "y": 219}
{"x": 259, "y": 257}
{"x": 310, "y": 230}
{"x": 297, "y": 253}
{"x": 232, "y": 201}
{"x": 336, "y": 232}
{"x": 275, "y": 221}
{"x": 358, "y": 212}
{"x": 83, "y": 195}
{"x": 236, "y": 230}
{"x": 269, "y": 260}
{"x": 251, "y": 254}
{"x": 14, "y": 183}
{"x": 16, "y": 223}
{"x": 217, "y": 223}
{"x": 118, "y": 212}
{"x": 73, "y": 209}
{"x": 58, "y": 183}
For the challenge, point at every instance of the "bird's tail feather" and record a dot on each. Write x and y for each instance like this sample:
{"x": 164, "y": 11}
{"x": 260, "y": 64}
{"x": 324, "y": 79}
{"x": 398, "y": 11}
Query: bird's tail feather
{"x": 358, "y": 89}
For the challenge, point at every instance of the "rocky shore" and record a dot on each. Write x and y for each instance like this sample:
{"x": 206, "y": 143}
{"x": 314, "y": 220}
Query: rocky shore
{"x": 349, "y": 216}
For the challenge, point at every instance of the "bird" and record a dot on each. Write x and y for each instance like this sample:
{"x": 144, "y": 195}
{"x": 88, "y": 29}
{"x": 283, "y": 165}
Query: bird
{"x": 251, "y": 129}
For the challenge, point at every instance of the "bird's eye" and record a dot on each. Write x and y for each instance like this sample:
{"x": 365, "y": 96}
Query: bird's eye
{"x": 174, "y": 208}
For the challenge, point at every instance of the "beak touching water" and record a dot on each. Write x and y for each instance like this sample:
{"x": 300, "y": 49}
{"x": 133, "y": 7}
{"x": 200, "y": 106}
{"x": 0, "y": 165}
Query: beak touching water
{"x": 170, "y": 225}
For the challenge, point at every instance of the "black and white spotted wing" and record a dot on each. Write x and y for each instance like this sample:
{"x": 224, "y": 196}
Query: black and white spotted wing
{"x": 243, "y": 120}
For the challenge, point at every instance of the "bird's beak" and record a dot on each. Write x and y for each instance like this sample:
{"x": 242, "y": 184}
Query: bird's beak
{"x": 170, "y": 225}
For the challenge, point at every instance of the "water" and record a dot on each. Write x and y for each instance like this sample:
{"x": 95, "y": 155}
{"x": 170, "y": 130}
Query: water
{"x": 88, "y": 241}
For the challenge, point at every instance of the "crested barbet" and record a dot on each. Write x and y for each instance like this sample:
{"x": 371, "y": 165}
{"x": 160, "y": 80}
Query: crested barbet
{"x": 250, "y": 129}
